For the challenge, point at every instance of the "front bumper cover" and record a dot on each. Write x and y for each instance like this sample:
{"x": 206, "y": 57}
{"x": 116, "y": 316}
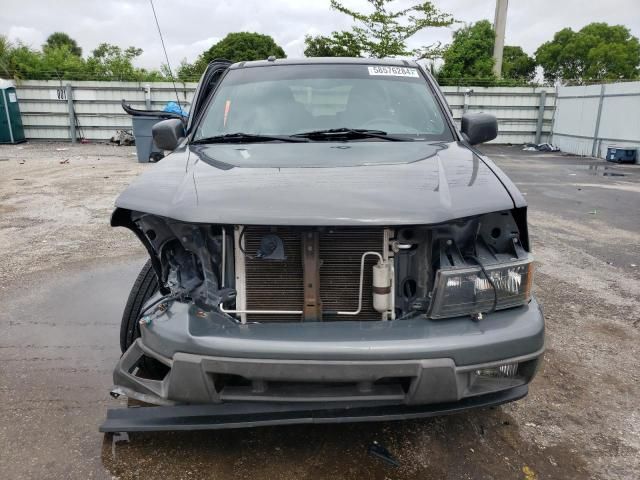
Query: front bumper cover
{"x": 406, "y": 362}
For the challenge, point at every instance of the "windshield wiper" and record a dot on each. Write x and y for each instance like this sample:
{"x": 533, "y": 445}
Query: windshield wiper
{"x": 349, "y": 133}
{"x": 240, "y": 137}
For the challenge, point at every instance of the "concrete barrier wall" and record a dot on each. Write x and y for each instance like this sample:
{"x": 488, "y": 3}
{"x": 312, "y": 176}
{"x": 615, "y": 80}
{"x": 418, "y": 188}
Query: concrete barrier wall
{"x": 591, "y": 118}
{"x": 45, "y": 107}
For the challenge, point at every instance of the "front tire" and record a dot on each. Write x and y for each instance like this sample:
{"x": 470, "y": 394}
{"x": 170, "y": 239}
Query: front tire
{"x": 145, "y": 286}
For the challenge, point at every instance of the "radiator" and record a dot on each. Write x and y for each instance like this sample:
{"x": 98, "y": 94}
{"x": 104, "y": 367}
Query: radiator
{"x": 279, "y": 285}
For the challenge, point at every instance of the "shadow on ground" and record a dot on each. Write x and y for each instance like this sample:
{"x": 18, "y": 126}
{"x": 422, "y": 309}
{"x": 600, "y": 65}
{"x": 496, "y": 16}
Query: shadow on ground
{"x": 484, "y": 444}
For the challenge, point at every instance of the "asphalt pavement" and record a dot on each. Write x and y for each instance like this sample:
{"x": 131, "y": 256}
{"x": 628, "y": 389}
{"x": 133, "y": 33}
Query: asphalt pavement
{"x": 59, "y": 342}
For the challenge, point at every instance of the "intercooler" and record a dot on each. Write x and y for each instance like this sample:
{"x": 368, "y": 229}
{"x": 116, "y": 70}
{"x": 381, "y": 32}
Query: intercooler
{"x": 279, "y": 285}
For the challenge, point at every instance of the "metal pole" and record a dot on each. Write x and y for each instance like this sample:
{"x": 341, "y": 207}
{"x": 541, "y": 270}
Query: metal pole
{"x": 147, "y": 96}
{"x": 72, "y": 114}
{"x": 465, "y": 104}
{"x": 541, "y": 105}
{"x": 499, "y": 25}
{"x": 597, "y": 129}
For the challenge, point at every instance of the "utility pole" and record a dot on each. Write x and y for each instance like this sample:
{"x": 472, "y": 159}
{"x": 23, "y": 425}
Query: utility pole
{"x": 499, "y": 25}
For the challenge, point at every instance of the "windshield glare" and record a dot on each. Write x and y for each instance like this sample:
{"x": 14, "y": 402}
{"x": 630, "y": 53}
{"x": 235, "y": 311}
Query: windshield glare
{"x": 292, "y": 99}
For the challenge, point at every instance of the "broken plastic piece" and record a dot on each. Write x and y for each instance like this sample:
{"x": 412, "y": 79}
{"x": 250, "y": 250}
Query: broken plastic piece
{"x": 377, "y": 450}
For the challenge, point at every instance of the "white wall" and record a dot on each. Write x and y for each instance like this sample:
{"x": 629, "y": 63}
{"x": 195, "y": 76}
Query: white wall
{"x": 97, "y": 104}
{"x": 576, "y": 128}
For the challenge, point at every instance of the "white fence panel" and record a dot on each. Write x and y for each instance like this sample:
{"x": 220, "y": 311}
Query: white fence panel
{"x": 45, "y": 109}
{"x": 516, "y": 108}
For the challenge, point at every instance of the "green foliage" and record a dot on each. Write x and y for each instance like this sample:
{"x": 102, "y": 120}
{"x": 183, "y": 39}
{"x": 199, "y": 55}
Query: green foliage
{"x": 517, "y": 65}
{"x": 6, "y": 49}
{"x": 109, "y": 62}
{"x": 469, "y": 59}
{"x": 22, "y": 62}
{"x": 381, "y": 33}
{"x": 188, "y": 72}
{"x": 596, "y": 52}
{"x": 237, "y": 47}
{"x": 59, "y": 59}
{"x": 470, "y": 54}
{"x": 338, "y": 44}
{"x": 61, "y": 39}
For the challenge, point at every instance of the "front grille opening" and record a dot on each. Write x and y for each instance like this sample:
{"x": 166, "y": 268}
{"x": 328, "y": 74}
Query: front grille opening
{"x": 404, "y": 382}
{"x": 294, "y": 386}
{"x": 234, "y": 387}
{"x": 149, "y": 368}
{"x": 223, "y": 380}
{"x": 279, "y": 285}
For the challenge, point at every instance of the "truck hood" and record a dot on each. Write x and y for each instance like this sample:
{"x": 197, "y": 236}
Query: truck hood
{"x": 320, "y": 183}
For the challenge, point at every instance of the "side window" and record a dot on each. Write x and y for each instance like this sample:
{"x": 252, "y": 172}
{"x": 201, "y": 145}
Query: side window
{"x": 207, "y": 83}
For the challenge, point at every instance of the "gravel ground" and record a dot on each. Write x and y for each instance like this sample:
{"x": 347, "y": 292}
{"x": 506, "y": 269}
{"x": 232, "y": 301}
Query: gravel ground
{"x": 65, "y": 275}
{"x": 55, "y": 203}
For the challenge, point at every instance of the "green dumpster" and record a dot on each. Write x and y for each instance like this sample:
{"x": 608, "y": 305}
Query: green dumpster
{"x": 11, "y": 130}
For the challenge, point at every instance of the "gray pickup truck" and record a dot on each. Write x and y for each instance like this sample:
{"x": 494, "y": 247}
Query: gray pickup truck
{"x": 325, "y": 245}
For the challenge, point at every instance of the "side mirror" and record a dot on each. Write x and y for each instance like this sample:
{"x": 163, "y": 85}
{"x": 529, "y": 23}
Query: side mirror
{"x": 168, "y": 133}
{"x": 479, "y": 127}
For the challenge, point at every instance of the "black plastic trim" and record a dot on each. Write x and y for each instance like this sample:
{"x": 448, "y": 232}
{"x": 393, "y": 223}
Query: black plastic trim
{"x": 255, "y": 414}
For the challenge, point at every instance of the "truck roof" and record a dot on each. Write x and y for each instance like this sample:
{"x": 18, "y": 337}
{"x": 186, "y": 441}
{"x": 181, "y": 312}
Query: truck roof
{"x": 393, "y": 62}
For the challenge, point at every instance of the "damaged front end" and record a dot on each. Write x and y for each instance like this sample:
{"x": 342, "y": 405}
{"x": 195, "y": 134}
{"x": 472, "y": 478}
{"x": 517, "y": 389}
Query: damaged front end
{"x": 419, "y": 314}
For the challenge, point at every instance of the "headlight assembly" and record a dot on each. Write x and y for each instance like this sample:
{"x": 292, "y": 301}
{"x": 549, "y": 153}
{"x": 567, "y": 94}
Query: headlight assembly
{"x": 470, "y": 290}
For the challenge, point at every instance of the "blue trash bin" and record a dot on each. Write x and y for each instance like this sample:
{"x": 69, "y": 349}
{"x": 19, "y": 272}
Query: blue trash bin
{"x": 621, "y": 154}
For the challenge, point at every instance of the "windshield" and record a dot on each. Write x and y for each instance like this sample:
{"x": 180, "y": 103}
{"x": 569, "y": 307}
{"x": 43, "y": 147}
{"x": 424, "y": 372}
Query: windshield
{"x": 293, "y": 99}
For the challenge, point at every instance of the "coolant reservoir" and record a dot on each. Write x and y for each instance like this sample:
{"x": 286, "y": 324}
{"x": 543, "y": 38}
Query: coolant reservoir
{"x": 382, "y": 287}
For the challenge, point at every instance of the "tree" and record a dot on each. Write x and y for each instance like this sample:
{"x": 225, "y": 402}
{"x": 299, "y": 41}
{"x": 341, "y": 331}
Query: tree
{"x": 470, "y": 54}
{"x": 57, "y": 61}
{"x": 381, "y": 33}
{"x": 596, "y": 52}
{"x": 6, "y": 48}
{"x": 239, "y": 47}
{"x": 60, "y": 39}
{"x": 339, "y": 44}
{"x": 24, "y": 63}
{"x": 187, "y": 72}
{"x": 110, "y": 62}
{"x": 517, "y": 65}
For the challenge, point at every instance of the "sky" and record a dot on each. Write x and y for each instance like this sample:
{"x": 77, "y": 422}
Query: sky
{"x": 191, "y": 26}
